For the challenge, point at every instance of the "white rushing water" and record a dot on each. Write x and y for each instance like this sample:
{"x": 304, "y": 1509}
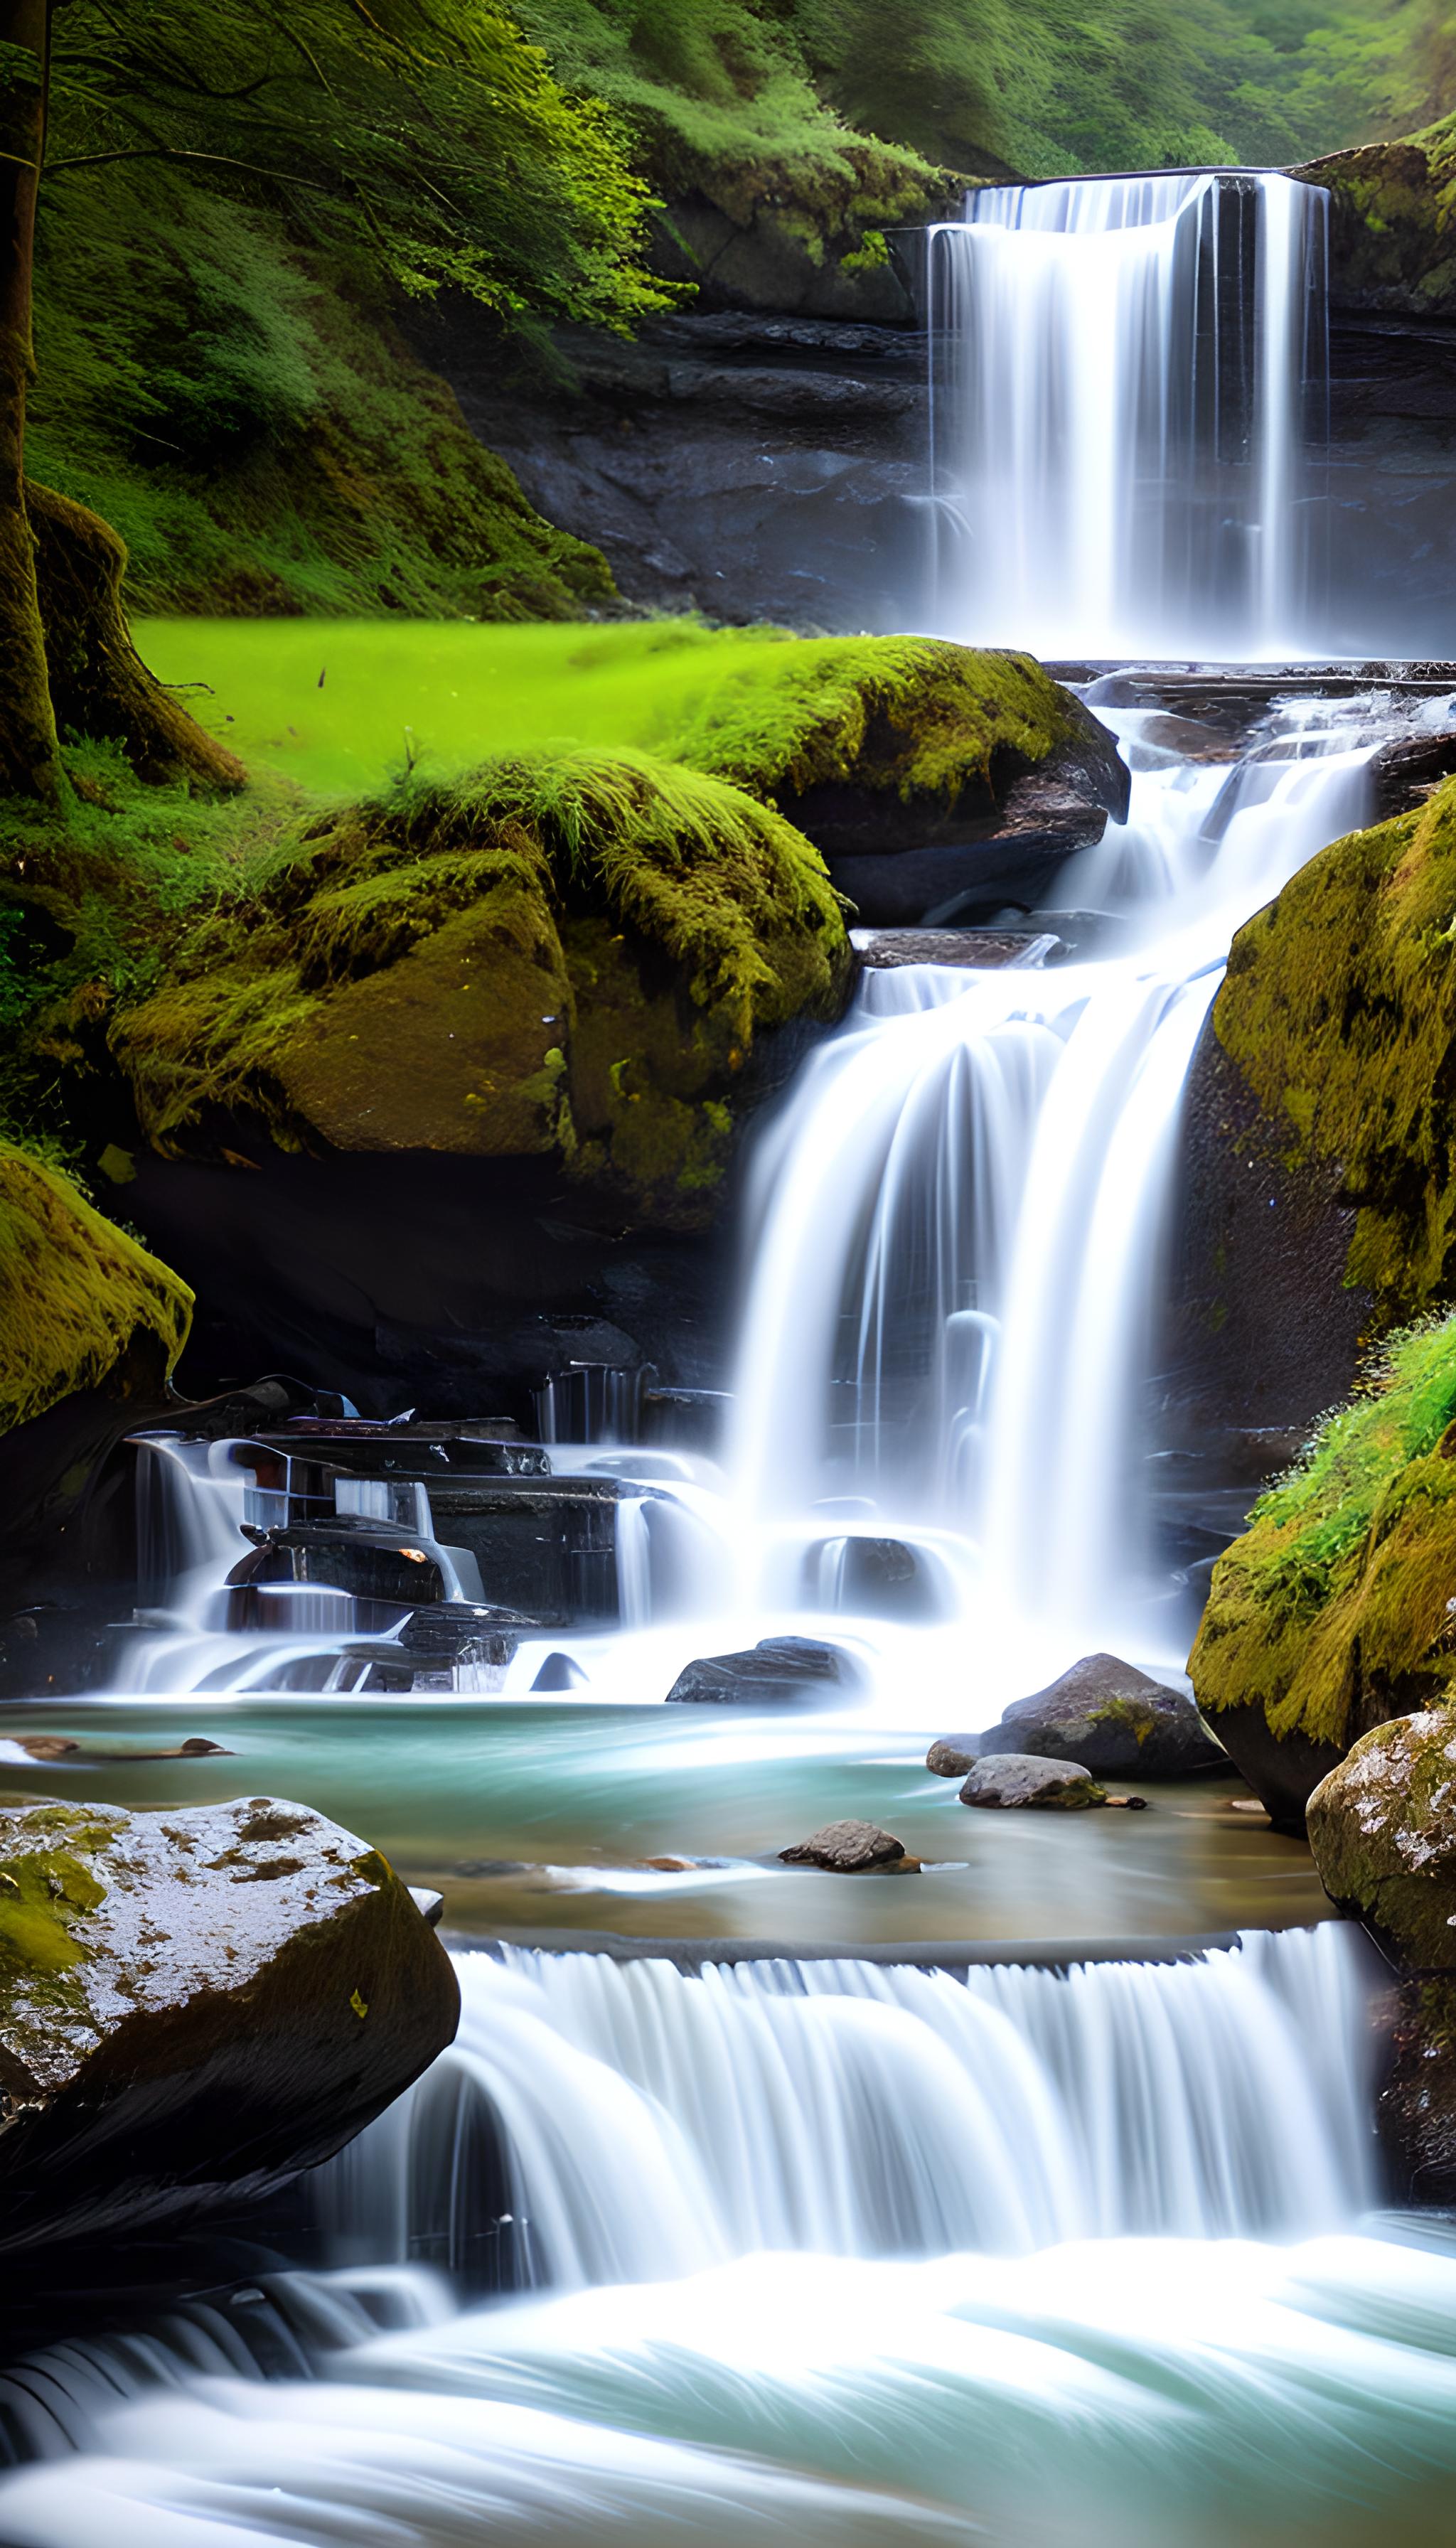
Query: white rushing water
{"x": 823, "y": 2252}
{"x": 957, "y": 1227}
{"x": 1130, "y": 393}
{"x": 643, "y": 2121}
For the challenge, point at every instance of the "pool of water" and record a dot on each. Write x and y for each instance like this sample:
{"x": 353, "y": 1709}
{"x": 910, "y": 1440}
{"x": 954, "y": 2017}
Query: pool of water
{"x": 538, "y": 1816}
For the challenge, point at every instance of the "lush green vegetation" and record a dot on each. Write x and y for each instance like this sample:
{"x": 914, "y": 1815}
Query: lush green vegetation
{"x": 1332, "y": 1612}
{"x": 737, "y": 99}
{"x": 237, "y": 206}
{"x": 339, "y": 707}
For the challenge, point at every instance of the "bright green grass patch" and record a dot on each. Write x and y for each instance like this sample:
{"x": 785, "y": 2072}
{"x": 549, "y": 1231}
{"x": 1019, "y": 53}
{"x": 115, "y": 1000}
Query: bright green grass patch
{"x": 343, "y": 706}
{"x": 1332, "y": 1610}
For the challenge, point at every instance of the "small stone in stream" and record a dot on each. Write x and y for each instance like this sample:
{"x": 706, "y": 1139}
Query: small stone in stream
{"x": 776, "y": 1672}
{"x": 851, "y": 1848}
{"x": 559, "y": 1671}
{"x": 1026, "y": 1779}
{"x": 952, "y": 1755}
{"x": 1114, "y": 1718}
{"x": 671, "y": 1866}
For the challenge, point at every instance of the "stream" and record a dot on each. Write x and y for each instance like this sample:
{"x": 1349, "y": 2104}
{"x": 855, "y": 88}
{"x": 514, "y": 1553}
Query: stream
{"x": 867, "y": 2231}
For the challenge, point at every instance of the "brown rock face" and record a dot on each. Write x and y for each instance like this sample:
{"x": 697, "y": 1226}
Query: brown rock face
{"x": 195, "y": 2004}
{"x": 848, "y": 1849}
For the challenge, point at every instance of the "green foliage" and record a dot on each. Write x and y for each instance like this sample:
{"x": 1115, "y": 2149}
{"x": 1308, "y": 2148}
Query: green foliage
{"x": 1332, "y": 1610}
{"x": 746, "y": 102}
{"x": 257, "y": 432}
{"x": 430, "y": 143}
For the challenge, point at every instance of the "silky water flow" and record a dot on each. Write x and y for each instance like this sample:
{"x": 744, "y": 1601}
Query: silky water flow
{"x": 844, "y": 2251}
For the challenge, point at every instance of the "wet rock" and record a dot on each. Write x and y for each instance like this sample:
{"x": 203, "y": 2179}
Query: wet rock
{"x": 1012, "y": 1778}
{"x": 559, "y": 1671}
{"x": 1114, "y": 1718}
{"x": 851, "y": 1848}
{"x": 194, "y": 2005}
{"x": 40, "y": 1748}
{"x": 777, "y": 1672}
{"x": 881, "y": 1578}
{"x": 952, "y": 1755}
{"x": 1383, "y": 1831}
{"x": 379, "y": 1568}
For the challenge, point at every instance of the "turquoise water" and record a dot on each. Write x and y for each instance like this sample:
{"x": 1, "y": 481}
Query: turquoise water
{"x": 537, "y": 1815}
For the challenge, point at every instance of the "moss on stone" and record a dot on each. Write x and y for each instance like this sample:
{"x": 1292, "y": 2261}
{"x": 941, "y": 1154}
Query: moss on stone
{"x": 916, "y": 717}
{"x": 1339, "y": 1009}
{"x": 569, "y": 953}
{"x": 77, "y": 1294}
{"x": 1392, "y": 220}
{"x": 1332, "y": 1612}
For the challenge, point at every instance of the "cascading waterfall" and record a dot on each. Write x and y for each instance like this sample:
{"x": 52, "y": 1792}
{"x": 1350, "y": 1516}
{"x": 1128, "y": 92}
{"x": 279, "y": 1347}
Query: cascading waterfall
{"x": 1130, "y": 396}
{"x": 640, "y": 2122}
{"x": 957, "y": 1224}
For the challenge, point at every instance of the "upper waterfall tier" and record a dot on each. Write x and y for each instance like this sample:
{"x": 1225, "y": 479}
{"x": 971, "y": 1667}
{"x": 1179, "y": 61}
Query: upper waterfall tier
{"x": 1130, "y": 396}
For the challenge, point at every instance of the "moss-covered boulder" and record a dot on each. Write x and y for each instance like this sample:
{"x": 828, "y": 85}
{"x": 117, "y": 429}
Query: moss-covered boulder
{"x": 1393, "y": 222}
{"x": 904, "y": 757}
{"x": 571, "y": 954}
{"x": 1383, "y": 1831}
{"x": 82, "y": 1306}
{"x": 1333, "y": 1613}
{"x": 196, "y": 2004}
{"x": 1338, "y": 1013}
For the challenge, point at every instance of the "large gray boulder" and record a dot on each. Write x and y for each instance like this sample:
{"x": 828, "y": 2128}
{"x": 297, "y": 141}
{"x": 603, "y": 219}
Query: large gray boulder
{"x": 195, "y": 2004}
{"x": 1011, "y": 1778}
{"x": 1115, "y": 1720}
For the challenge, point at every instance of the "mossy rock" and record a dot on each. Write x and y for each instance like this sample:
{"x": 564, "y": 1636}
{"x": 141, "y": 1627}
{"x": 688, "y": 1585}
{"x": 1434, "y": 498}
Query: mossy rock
{"x": 571, "y": 954}
{"x": 1332, "y": 1612}
{"x": 82, "y": 1306}
{"x": 1393, "y": 222}
{"x": 1112, "y": 1719}
{"x": 196, "y": 2004}
{"x": 1338, "y": 1010}
{"x": 1383, "y": 1831}
{"x": 884, "y": 744}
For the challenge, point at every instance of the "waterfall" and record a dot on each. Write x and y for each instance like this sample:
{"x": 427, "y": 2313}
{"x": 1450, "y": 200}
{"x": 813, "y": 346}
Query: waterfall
{"x": 1130, "y": 405}
{"x": 957, "y": 1224}
{"x": 629, "y": 2122}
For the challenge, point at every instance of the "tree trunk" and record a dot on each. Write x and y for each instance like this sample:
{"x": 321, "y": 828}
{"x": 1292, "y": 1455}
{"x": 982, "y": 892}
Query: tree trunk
{"x": 30, "y": 758}
{"x": 99, "y": 685}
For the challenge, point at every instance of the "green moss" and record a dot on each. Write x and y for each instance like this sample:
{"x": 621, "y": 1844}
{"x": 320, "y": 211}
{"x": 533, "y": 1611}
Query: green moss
{"x": 914, "y": 716}
{"x": 77, "y": 1294}
{"x": 570, "y": 952}
{"x": 1339, "y": 1009}
{"x": 1334, "y": 1610}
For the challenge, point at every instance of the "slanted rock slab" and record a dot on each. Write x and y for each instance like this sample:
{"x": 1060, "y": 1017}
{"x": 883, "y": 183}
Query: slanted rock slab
{"x": 776, "y": 1672}
{"x": 851, "y": 1848}
{"x": 195, "y": 2004}
{"x": 1012, "y": 1778}
{"x": 1106, "y": 1714}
